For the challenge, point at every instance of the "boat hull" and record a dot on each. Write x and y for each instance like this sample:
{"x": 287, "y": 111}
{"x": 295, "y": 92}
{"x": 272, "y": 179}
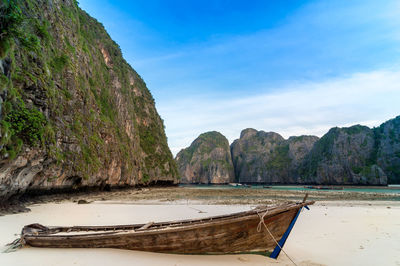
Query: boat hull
{"x": 243, "y": 233}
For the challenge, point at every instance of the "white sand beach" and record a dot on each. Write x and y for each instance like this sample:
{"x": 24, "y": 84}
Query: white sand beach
{"x": 331, "y": 233}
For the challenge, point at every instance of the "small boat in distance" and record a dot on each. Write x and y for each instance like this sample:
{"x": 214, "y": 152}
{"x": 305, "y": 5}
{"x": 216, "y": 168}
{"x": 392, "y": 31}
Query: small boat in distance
{"x": 257, "y": 230}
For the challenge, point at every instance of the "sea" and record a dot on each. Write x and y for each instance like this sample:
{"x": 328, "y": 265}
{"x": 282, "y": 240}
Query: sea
{"x": 392, "y": 189}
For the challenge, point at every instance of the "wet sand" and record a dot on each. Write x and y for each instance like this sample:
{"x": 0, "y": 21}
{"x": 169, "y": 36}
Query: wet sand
{"x": 195, "y": 195}
{"x": 331, "y": 233}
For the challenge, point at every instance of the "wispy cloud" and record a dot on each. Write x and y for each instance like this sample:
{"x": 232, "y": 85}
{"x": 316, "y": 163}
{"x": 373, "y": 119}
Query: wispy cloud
{"x": 309, "y": 108}
{"x": 318, "y": 41}
{"x": 323, "y": 64}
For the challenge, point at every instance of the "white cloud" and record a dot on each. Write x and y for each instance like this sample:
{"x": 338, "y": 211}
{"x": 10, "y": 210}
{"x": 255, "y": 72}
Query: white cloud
{"x": 309, "y": 108}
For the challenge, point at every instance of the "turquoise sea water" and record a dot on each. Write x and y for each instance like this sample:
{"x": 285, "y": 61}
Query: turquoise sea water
{"x": 393, "y": 189}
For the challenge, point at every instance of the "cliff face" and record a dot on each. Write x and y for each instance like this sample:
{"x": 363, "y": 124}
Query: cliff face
{"x": 266, "y": 157}
{"x": 252, "y": 156}
{"x": 73, "y": 111}
{"x": 207, "y": 160}
{"x": 344, "y": 156}
{"x": 299, "y": 148}
{"x": 354, "y": 155}
{"x": 387, "y": 149}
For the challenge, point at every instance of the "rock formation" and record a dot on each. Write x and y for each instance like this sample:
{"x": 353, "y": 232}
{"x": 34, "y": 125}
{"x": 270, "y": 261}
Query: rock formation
{"x": 354, "y": 155}
{"x": 207, "y": 160}
{"x": 299, "y": 148}
{"x": 266, "y": 157}
{"x": 343, "y": 156}
{"x": 387, "y": 149}
{"x": 73, "y": 111}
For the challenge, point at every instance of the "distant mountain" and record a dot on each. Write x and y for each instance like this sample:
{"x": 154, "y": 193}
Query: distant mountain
{"x": 207, "y": 161}
{"x": 343, "y": 156}
{"x": 266, "y": 157}
{"x": 387, "y": 149}
{"x": 356, "y": 155}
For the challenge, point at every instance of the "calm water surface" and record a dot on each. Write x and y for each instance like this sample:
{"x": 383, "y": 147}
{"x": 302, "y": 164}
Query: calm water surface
{"x": 394, "y": 189}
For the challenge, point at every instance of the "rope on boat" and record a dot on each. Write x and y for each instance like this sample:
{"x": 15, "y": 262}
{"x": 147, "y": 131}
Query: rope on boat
{"x": 259, "y": 230}
{"x": 13, "y": 246}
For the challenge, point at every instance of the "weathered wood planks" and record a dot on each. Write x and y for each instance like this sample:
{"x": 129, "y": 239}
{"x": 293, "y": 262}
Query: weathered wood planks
{"x": 220, "y": 234}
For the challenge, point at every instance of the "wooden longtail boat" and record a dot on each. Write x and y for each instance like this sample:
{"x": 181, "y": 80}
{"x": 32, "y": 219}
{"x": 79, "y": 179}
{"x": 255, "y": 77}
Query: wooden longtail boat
{"x": 239, "y": 232}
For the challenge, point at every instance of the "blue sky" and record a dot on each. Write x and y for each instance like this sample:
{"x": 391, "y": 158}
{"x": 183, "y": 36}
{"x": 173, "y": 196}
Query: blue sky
{"x": 294, "y": 67}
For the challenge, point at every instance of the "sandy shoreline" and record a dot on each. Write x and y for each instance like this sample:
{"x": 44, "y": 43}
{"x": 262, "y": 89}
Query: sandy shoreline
{"x": 197, "y": 195}
{"x": 331, "y": 233}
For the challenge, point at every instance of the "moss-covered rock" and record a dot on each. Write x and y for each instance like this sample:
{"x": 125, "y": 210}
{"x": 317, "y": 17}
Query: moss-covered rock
{"x": 388, "y": 149}
{"x": 344, "y": 156}
{"x": 207, "y": 160}
{"x": 356, "y": 155}
{"x": 266, "y": 157}
{"x": 92, "y": 121}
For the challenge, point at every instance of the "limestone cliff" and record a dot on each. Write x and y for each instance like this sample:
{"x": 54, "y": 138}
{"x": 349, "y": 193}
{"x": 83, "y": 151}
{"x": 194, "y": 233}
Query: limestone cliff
{"x": 355, "y": 155}
{"x": 73, "y": 111}
{"x": 207, "y": 160}
{"x": 299, "y": 148}
{"x": 387, "y": 149}
{"x": 266, "y": 157}
{"x": 343, "y": 156}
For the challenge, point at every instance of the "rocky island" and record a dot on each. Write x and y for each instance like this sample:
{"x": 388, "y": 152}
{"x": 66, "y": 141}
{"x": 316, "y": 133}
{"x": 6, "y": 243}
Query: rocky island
{"x": 266, "y": 157}
{"x": 208, "y": 160}
{"x": 356, "y": 155}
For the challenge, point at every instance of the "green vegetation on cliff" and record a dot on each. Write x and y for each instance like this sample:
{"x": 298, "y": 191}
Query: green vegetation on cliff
{"x": 66, "y": 90}
{"x": 206, "y": 160}
{"x": 349, "y": 155}
{"x": 387, "y": 148}
{"x": 204, "y": 144}
{"x": 280, "y": 158}
{"x": 322, "y": 149}
{"x": 19, "y": 124}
